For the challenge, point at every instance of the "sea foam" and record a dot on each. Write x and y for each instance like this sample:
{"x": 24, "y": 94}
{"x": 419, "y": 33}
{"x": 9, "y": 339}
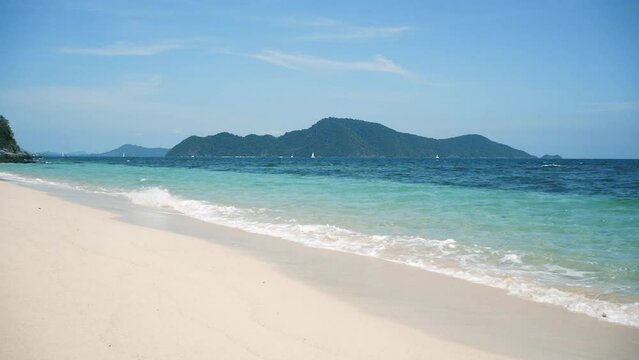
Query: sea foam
{"x": 413, "y": 251}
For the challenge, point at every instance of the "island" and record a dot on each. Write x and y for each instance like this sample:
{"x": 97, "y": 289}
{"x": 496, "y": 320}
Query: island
{"x": 551, "y": 157}
{"x": 133, "y": 151}
{"x": 341, "y": 137}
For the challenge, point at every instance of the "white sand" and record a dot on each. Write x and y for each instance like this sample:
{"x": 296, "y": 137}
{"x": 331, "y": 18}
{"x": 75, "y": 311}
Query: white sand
{"x": 76, "y": 283}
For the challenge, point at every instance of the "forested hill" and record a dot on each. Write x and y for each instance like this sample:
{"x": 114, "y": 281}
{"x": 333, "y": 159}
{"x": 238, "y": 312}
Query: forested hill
{"x": 344, "y": 137}
{"x": 134, "y": 151}
{"x": 9, "y": 149}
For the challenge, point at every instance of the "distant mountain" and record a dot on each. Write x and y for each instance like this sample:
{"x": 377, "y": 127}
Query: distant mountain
{"x": 62, "y": 154}
{"x": 49, "y": 153}
{"x": 344, "y": 137}
{"x": 77, "y": 153}
{"x": 9, "y": 149}
{"x": 134, "y": 151}
{"x": 551, "y": 157}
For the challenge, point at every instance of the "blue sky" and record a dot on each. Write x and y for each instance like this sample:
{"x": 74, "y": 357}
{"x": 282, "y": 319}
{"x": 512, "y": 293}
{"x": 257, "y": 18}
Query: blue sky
{"x": 545, "y": 77}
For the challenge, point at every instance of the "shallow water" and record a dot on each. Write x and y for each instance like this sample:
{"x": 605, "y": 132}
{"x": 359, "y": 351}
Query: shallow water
{"x": 563, "y": 231}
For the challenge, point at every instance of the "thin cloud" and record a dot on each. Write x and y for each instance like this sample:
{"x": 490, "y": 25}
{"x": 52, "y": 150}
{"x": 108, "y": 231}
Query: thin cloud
{"x": 127, "y": 94}
{"x": 106, "y": 107}
{"x": 321, "y": 22}
{"x": 371, "y": 96}
{"x": 612, "y": 106}
{"x": 122, "y": 48}
{"x": 305, "y": 62}
{"x": 327, "y": 29}
{"x": 120, "y": 9}
{"x": 357, "y": 33}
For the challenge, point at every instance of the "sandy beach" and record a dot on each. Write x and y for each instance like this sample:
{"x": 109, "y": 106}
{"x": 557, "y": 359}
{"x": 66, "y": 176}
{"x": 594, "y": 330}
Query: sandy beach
{"x": 80, "y": 282}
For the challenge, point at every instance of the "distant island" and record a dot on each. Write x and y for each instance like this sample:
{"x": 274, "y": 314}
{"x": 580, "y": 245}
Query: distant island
{"x": 126, "y": 150}
{"x": 63, "y": 154}
{"x": 9, "y": 149}
{"x": 345, "y": 137}
{"x": 133, "y": 151}
{"x": 551, "y": 157}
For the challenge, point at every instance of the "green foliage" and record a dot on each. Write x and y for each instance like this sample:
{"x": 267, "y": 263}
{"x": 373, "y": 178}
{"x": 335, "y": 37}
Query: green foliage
{"x": 551, "y": 157}
{"x": 7, "y": 141}
{"x": 9, "y": 149}
{"x": 344, "y": 137}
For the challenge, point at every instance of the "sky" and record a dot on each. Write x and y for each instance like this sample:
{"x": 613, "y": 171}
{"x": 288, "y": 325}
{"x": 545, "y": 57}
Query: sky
{"x": 547, "y": 77}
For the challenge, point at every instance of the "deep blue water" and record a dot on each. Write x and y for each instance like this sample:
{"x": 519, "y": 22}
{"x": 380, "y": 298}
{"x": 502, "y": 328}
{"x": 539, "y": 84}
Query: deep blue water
{"x": 617, "y": 178}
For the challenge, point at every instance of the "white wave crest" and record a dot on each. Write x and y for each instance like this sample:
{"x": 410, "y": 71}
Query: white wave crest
{"x": 511, "y": 258}
{"x": 413, "y": 251}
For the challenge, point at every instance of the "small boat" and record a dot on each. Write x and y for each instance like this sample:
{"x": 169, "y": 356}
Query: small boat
{"x": 123, "y": 154}
{"x": 436, "y": 156}
{"x": 312, "y": 155}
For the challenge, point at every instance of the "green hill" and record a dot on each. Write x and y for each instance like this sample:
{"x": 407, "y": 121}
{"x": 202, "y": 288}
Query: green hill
{"x": 344, "y": 137}
{"x": 134, "y": 151}
{"x": 9, "y": 149}
{"x": 552, "y": 157}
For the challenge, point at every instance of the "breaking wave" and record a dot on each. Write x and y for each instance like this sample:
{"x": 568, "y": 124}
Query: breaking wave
{"x": 444, "y": 256}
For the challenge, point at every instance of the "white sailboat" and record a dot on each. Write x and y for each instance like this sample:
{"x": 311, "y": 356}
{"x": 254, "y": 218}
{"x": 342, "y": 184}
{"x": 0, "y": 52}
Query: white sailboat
{"x": 313, "y": 155}
{"x": 436, "y": 156}
{"x": 123, "y": 154}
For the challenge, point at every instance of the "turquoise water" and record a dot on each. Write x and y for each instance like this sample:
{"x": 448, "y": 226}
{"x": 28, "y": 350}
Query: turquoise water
{"x": 563, "y": 232}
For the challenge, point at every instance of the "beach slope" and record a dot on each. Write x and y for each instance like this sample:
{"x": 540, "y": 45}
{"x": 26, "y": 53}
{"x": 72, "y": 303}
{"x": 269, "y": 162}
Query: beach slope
{"x": 76, "y": 283}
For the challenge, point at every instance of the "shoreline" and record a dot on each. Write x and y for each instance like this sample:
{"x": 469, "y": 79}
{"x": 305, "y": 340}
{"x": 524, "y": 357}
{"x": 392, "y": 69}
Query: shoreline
{"x": 618, "y": 310}
{"x": 457, "y": 317}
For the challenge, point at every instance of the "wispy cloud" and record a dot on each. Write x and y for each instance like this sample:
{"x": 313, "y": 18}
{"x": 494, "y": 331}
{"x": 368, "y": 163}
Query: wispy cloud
{"x": 367, "y": 96}
{"x": 128, "y": 94}
{"x": 612, "y": 106}
{"x": 308, "y": 22}
{"x": 122, "y": 48}
{"x": 305, "y": 62}
{"x": 107, "y": 107}
{"x": 327, "y": 29}
{"x": 357, "y": 33}
{"x": 124, "y": 9}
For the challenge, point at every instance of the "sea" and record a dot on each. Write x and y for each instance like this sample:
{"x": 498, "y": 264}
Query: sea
{"x": 563, "y": 232}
